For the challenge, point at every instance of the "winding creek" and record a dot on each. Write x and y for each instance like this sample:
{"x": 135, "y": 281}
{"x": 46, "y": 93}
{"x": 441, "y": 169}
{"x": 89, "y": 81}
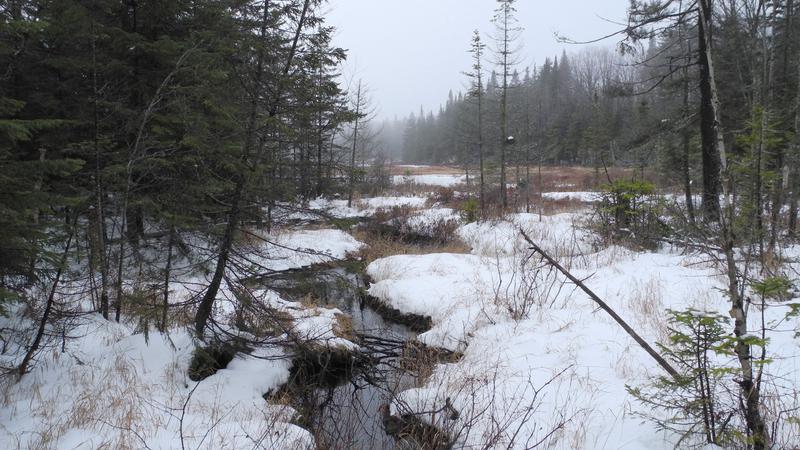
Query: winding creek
{"x": 343, "y": 404}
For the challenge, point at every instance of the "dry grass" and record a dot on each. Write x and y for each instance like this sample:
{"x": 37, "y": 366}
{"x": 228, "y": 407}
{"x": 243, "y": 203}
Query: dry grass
{"x": 574, "y": 178}
{"x": 115, "y": 406}
{"x": 343, "y": 327}
{"x": 309, "y": 302}
{"x": 624, "y": 364}
{"x": 419, "y": 189}
{"x": 425, "y": 170}
{"x": 552, "y": 207}
{"x": 422, "y": 360}
{"x": 378, "y": 246}
{"x": 645, "y": 302}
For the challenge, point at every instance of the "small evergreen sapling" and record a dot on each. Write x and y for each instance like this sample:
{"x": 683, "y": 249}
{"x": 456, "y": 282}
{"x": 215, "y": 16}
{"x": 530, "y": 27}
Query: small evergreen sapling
{"x": 692, "y": 403}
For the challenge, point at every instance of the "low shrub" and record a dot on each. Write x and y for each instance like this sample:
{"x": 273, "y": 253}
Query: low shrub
{"x": 469, "y": 210}
{"x": 443, "y": 195}
{"x": 629, "y": 212}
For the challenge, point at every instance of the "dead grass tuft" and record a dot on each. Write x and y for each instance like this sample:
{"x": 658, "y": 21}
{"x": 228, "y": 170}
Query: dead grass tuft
{"x": 425, "y": 170}
{"x": 343, "y": 327}
{"x": 380, "y": 246}
{"x": 645, "y": 302}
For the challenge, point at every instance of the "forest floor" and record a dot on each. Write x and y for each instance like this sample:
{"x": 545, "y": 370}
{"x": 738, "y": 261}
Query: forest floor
{"x": 539, "y": 363}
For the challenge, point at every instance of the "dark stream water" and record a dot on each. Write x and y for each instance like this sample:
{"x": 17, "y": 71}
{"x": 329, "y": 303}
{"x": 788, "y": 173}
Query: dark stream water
{"x": 344, "y": 412}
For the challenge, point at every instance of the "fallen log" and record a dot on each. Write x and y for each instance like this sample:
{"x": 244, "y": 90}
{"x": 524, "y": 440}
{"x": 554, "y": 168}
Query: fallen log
{"x": 604, "y": 306}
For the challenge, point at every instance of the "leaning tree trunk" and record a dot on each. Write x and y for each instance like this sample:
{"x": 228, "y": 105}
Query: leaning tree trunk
{"x": 37, "y": 340}
{"x": 603, "y": 305}
{"x": 205, "y": 307}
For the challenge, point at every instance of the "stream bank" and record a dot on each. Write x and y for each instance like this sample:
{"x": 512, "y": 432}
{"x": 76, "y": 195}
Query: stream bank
{"x": 342, "y": 397}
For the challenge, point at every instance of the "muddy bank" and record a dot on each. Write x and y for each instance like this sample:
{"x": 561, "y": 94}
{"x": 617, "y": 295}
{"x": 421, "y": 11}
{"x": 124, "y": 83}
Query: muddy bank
{"x": 414, "y": 322}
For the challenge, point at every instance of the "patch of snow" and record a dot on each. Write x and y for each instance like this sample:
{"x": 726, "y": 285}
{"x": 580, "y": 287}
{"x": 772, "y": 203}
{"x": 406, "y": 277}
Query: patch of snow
{"x": 586, "y": 197}
{"x": 364, "y": 207}
{"x": 374, "y": 203}
{"x": 285, "y": 250}
{"x": 310, "y": 324}
{"x": 443, "y": 180}
{"x": 426, "y": 221}
{"x": 114, "y": 389}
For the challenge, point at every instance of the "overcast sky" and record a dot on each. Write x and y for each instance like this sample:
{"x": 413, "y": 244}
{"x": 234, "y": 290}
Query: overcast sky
{"x": 411, "y": 52}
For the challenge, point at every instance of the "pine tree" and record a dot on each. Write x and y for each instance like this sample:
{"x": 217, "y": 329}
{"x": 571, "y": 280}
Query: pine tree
{"x": 506, "y": 39}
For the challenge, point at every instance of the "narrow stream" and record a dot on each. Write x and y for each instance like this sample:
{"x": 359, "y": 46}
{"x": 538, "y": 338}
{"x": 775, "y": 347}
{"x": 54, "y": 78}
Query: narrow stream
{"x": 345, "y": 413}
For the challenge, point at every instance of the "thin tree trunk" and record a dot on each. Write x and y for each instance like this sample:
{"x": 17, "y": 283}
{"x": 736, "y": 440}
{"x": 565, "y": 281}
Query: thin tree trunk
{"x": 480, "y": 148}
{"x": 792, "y": 226}
{"x": 167, "y": 271}
{"x": 37, "y": 186}
{"x": 37, "y": 340}
{"x": 528, "y": 145}
{"x": 780, "y": 189}
{"x": 749, "y": 389}
{"x": 503, "y": 106}
{"x": 758, "y": 213}
{"x": 133, "y": 155}
{"x": 100, "y": 229}
{"x": 767, "y": 101}
{"x": 504, "y": 137}
{"x": 686, "y": 144}
{"x": 710, "y": 133}
{"x": 793, "y": 172}
{"x": 700, "y": 385}
{"x": 205, "y": 307}
{"x": 206, "y": 304}
{"x": 320, "y": 145}
{"x": 541, "y": 185}
{"x": 793, "y": 177}
{"x": 352, "y": 183}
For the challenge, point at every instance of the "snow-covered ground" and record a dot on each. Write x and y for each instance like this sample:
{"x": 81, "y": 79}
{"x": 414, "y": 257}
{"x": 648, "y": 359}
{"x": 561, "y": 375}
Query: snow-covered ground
{"x": 424, "y": 218}
{"x": 539, "y": 356}
{"x": 365, "y": 207}
{"x": 114, "y": 387}
{"x": 283, "y": 250}
{"x": 586, "y": 197}
{"x": 444, "y": 180}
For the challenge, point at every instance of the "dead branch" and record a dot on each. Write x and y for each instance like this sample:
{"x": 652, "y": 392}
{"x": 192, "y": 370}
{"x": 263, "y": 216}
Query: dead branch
{"x": 659, "y": 359}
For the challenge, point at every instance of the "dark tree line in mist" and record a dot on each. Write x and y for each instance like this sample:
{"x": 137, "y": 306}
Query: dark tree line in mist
{"x": 638, "y": 105}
